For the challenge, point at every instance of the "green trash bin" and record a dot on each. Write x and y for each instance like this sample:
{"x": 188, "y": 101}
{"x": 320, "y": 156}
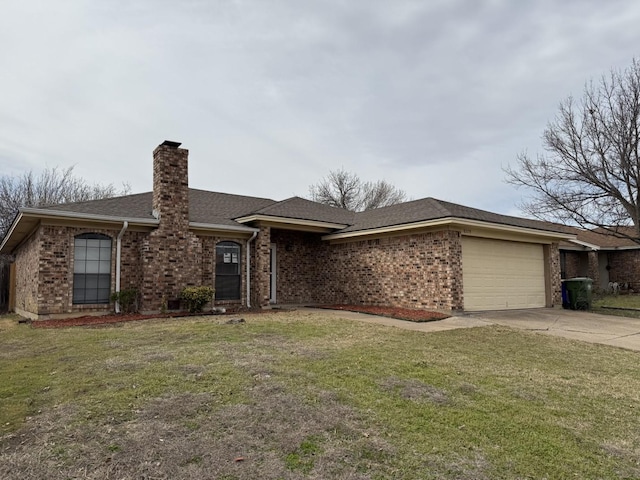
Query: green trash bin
{"x": 579, "y": 293}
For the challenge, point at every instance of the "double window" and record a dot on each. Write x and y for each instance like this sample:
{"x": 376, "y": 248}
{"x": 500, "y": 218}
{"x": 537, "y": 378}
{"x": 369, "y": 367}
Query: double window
{"x": 91, "y": 268}
{"x": 228, "y": 277}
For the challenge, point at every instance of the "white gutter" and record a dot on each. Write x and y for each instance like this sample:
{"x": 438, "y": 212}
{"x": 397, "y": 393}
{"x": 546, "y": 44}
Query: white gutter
{"x": 118, "y": 254}
{"x": 291, "y": 221}
{"x": 590, "y": 246}
{"x": 48, "y": 213}
{"x": 226, "y": 228}
{"x": 255, "y": 234}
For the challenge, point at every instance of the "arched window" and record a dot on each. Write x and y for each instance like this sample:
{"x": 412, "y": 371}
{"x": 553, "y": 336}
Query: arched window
{"x": 91, "y": 268}
{"x": 228, "y": 268}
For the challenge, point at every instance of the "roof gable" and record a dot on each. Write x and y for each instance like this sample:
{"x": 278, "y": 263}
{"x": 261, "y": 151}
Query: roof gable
{"x": 303, "y": 209}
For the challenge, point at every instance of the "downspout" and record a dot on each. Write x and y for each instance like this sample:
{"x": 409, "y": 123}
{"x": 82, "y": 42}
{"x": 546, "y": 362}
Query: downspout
{"x": 118, "y": 254}
{"x": 255, "y": 234}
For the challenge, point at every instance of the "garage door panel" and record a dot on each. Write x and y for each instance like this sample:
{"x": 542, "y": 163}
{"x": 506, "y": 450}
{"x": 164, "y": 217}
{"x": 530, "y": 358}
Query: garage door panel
{"x": 499, "y": 274}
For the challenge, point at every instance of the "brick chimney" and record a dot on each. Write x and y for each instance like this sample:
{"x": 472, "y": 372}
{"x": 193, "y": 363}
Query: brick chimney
{"x": 171, "y": 254}
{"x": 171, "y": 186}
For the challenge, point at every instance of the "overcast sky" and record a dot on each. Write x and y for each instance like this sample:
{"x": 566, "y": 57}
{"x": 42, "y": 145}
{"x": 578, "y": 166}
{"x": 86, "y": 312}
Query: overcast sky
{"x": 435, "y": 97}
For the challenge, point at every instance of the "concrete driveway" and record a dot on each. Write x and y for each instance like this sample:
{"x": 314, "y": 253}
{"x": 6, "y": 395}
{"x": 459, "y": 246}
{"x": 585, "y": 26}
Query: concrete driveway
{"x": 576, "y": 325}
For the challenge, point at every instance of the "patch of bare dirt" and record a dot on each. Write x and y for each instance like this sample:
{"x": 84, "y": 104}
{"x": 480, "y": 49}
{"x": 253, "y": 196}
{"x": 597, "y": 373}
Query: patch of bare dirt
{"x": 195, "y": 435}
{"x": 89, "y": 320}
{"x": 410, "y": 314}
{"x": 415, "y": 390}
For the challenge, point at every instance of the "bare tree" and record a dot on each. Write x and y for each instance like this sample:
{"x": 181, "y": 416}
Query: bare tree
{"x": 346, "y": 190}
{"x": 52, "y": 186}
{"x": 591, "y": 171}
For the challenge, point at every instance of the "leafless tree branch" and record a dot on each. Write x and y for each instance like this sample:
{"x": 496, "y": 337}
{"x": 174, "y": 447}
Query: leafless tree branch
{"x": 346, "y": 190}
{"x": 590, "y": 173}
{"x": 50, "y": 187}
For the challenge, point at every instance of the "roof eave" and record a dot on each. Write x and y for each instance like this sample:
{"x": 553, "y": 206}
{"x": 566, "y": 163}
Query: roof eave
{"x": 450, "y": 221}
{"x": 10, "y": 232}
{"x": 588, "y": 245}
{"x": 35, "y": 215}
{"x": 45, "y": 213}
{"x": 291, "y": 221}
{"x": 223, "y": 228}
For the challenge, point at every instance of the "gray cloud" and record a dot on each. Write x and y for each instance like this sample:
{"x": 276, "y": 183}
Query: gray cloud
{"x": 271, "y": 95}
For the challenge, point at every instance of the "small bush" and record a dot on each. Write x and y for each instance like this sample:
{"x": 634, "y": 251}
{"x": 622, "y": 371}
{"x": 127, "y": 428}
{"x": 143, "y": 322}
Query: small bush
{"x": 127, "y": 298}
{"x": 196, "y": 297}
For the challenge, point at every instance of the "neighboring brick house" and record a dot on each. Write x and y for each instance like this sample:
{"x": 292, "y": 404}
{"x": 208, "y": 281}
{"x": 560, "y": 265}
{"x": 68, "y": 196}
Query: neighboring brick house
{"x": 255, "y": 252}
{"x": 603, "y": 257}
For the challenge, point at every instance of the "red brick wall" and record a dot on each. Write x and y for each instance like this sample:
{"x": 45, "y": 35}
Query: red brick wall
{"x": 260, "y": 267}
{"x": 130, "y": 265}
{"x": 415, "y": 271}
{"x": 554, "y": 274}
{"x": 44, "y": 269}
{"x": 576, "y": 264}
{"x": 625, "y": 268}
{"x": 26, "y": 268}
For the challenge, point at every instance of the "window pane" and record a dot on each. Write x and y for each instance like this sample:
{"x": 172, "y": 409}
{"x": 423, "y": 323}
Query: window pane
{"x": 227, "y": 287}
{"x": 80, "y": 253}
{"x": 104, "y": 281}
{"x": 91, "y": 282}
{"x": 91, "y": 296}
{"x": 103, "y": 295}
{"x": 93, "y": 253}
{"x": 78, "y": 295}
{"x": 104, "y": 266}
{"x": 227, "y": 269}
{"x": 93, "y": 243}
{"x": 79, "y": 266}
{"x": 92, "y": 266}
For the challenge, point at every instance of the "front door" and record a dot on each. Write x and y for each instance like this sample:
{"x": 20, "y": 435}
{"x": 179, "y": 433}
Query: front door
{"x": 272, "y": 273}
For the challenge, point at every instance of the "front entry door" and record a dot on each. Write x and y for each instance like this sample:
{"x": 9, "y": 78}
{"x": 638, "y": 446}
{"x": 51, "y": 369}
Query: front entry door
{"x": 272, "y": 273}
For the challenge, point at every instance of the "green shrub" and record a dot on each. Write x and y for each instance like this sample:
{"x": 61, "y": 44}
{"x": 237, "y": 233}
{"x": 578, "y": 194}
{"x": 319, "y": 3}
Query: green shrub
{"x": 127, "y": 298}
{"x": 196, "y": 298}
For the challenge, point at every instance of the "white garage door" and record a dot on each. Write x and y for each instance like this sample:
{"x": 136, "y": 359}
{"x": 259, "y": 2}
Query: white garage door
{"x": 499, "y": 275}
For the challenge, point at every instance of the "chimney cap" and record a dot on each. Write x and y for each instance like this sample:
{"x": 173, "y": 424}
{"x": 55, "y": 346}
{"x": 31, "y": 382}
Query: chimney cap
{"x": 170, "y": 144}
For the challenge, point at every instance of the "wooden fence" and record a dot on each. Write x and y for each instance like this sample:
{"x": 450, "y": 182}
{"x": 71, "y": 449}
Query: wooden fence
{"x": 4, "y": 285}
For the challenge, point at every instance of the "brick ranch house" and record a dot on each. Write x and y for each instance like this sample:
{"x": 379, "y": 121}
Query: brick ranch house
{"x": 258, "y": 252}
{"x": 603, "y": 257}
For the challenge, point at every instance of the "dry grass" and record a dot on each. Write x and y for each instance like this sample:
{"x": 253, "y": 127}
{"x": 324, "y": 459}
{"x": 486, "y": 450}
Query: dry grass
{"x": 618, "y": 305}
{"x": 304, "y": 396}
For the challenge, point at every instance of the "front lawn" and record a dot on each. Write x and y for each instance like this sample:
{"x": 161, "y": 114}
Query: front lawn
{"x": 622, "y": 305}
{"x": 301, "y": 395}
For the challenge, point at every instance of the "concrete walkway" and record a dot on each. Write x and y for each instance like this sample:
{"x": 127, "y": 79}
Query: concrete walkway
{"x": 576, "y": 325}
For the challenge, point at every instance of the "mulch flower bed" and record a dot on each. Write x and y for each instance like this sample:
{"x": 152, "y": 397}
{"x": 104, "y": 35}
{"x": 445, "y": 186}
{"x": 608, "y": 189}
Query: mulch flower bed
{"x": 127, "y": 317}
{"x": 411, "y": 314}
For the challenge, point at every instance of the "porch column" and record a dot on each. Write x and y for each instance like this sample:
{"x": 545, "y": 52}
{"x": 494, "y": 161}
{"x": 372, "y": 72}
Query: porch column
{"x": 593, "y": 271}
{"x": 552, "y": 275}
{"x": 260, "y": 272}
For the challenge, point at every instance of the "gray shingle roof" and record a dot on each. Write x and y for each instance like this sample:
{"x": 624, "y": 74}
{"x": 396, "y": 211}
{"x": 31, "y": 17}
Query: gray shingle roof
{"x": 303, "y": 209}
{"x": 129, "y": 206}
{"x": 204, "y": 207}
{"x": 427, "y": 209}
{"x": 222, "y": 209}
